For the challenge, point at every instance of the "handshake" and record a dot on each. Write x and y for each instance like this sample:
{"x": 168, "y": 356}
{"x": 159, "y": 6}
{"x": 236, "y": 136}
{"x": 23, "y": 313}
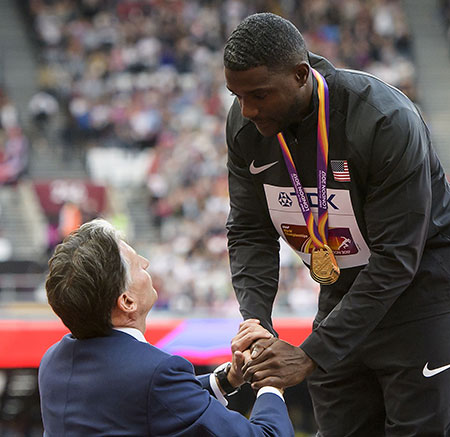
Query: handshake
{"x": 262, "y": 360}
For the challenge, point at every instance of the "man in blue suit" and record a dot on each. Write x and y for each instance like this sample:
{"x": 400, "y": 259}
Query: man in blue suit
{"x": 104, "y": 379}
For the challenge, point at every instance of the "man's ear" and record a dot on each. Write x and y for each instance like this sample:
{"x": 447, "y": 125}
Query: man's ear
{"x": 302, "y": 73}
{"x": 126, "y": 303}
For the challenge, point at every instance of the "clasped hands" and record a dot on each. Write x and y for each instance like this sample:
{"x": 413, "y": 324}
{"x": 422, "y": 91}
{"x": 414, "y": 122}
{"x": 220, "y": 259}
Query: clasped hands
{"x": 264, "y": 360}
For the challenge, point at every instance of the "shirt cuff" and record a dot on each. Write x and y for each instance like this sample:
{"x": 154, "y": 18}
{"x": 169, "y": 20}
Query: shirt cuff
{"x": 215, "y": 388}
{"x": 269, "y": 389}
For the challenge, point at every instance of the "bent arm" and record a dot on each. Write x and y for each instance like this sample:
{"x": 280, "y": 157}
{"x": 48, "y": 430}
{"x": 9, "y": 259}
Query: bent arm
{"x": 397, "y": 214}
{"x": 252, "y": 243}
{"x": 179, "y": 406}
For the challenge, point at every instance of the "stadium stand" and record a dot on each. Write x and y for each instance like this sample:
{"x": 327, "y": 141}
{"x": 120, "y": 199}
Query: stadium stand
{"x": 428, "y": 22}
{"x": 141, "y": 85}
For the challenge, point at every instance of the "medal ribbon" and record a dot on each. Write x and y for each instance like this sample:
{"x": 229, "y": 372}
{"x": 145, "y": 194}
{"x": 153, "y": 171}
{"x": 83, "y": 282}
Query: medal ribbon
{"x": 318, "y": 232}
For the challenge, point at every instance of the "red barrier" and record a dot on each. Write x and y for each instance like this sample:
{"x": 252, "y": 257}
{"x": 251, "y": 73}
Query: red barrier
{"x": 23, "y": 342}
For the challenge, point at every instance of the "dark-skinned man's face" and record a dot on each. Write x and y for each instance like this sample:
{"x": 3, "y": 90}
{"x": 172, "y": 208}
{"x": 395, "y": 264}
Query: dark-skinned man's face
{"x": 272, "y": 100}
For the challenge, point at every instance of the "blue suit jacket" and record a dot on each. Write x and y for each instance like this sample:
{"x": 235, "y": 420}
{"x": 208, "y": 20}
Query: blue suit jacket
{"x": 119, "y": 386}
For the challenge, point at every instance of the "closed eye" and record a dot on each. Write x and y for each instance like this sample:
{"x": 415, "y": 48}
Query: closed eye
{"x": 260, "y": 96}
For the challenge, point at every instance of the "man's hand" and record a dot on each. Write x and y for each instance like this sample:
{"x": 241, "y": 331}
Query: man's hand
{"x": 249, "y": 331}
{"x": 235, "y": 375}
{"x": 277, "y": 363}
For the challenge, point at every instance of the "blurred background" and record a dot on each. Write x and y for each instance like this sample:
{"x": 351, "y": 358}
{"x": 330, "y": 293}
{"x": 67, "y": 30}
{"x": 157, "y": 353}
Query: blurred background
{"x": 116, "y": 108}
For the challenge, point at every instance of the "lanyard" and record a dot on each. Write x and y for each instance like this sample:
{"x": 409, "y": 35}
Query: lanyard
{"x": 318, "y": 232}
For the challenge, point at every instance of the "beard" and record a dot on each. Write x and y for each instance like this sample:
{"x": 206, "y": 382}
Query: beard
{"x": 293, "y": 115}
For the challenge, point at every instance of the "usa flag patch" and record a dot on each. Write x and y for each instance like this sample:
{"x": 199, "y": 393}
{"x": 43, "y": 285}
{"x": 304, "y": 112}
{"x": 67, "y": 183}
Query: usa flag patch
{"x": 340, "y": 170}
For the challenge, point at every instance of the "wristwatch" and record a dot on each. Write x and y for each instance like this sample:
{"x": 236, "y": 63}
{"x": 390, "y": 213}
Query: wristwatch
{"x": 221, "y": 374}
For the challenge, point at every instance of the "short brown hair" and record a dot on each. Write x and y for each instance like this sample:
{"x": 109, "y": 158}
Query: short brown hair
{"x": 87, "y": 274}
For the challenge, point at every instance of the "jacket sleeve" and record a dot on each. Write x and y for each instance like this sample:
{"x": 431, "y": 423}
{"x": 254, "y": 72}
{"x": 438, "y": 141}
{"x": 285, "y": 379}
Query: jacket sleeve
{"x": 252, "y": 241}
{"x": 397, "y": 214}
{"x": 179, "y": 406}
{"x": 204, "y": 382}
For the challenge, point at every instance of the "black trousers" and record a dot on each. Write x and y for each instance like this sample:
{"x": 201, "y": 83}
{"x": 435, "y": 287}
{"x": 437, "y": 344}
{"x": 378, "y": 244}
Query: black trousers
{"x": 396, "y": 384}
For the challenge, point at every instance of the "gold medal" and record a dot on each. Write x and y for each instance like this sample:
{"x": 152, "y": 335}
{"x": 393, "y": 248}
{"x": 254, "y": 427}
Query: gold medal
{"x": 324, "y": 268}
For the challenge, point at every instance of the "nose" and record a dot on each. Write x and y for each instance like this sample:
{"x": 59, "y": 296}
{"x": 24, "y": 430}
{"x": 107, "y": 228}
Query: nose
{"x": 145, "y": 262}
{"x": 248, "y": 109}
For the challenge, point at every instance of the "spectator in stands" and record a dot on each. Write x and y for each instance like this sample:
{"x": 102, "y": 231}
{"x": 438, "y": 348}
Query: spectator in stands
{"x": 70, "y": 218}
{"x": 105, "y": 379}
{"x": 43, "y": 107}
{"x": 13, "y": 142}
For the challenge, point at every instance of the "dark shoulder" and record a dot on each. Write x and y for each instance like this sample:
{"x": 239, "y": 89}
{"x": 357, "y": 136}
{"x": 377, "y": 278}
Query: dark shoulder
{"x": 377, "y": 94}
{"x": 50, "y": 352}
{"x": 235, "y": 121}
{"x": 171, "y": 364}
{"x": 353, "y": 87}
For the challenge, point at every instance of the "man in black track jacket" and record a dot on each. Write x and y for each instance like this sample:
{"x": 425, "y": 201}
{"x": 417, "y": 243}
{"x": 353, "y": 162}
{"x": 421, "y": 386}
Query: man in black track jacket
{"x": 378, "y": 359}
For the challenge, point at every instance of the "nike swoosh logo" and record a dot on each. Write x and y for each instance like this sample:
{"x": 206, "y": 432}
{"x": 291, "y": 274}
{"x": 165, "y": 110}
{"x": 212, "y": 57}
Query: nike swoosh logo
{"x": 428, "y": 373}
{"x": 256, "y": 170}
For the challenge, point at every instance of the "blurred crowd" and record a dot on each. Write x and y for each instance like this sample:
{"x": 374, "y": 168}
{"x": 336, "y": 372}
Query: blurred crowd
{"x": 13, "y": 142}
{"x": 14, "y": 149}
{"x": 141, "y": 86}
